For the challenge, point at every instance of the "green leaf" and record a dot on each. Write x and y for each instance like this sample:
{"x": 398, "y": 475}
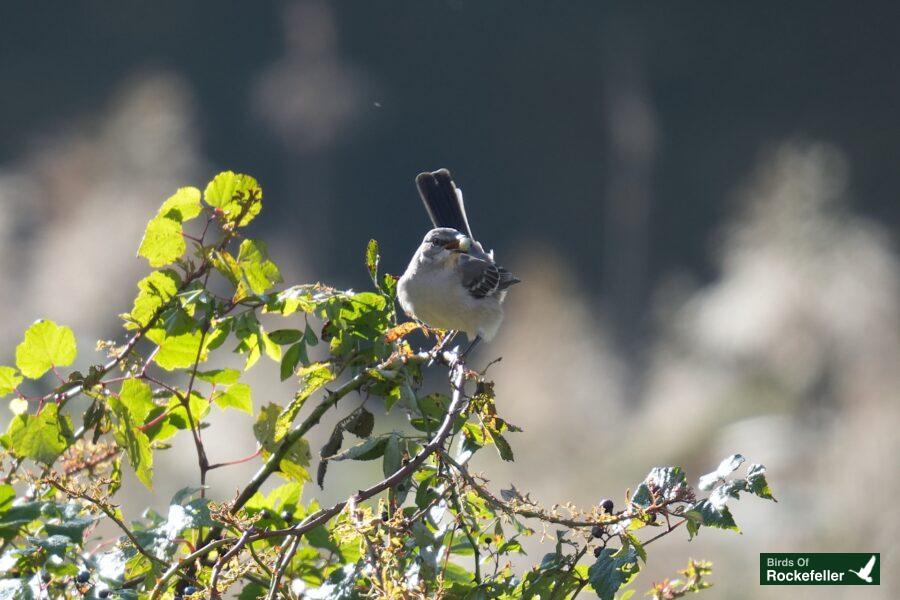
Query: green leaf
{"x": 9, "y": 380}
{"x": 286, "y": 336}
{"x": 234, "y": 194}
{"x": 258, "y": 271}
{"x": 236, "y": 396}
{"x": 370, "y": 449}
{"x": 725, "y": 468}
{"x": 134, "y": 441}
{"x": 41, "y": 437}
{"x": 297, "y": 456}
{"x": 312, "y": 378}
{"x": 392, "y": 456}
{"x": 361, "y": 423}
{"x": 182, "y": 206}
{"x": 223, "y": 376}
{"x": 756, "y": 478}
{"x": 177, "y": 351}
{"x": 7, "y": 495}
{"x": 612, "y": 570}
{"x": 291, "y": 358}
{"x": 667, "y": 482}
{"x": 46, "y": 345}
{"x": 372, "y": 261}
{"x": 163, "y": 242}
{"x": 155, "y": 291}
{"x": 706, "y": 513}
{"x": 137, "y": 397}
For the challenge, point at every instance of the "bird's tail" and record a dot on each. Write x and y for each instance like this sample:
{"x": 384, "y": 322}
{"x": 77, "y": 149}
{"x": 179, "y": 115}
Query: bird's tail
{"x": 443, "y": 200}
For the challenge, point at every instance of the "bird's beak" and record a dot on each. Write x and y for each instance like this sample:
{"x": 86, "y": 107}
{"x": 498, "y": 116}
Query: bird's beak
{"x": 460, "y": 244}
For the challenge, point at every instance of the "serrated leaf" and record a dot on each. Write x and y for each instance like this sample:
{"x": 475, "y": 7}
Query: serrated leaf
{"x": 234, "y": 194}
{"x": 705, "y": 513}
{"x": 312, "y": 378}
{"x": 41, "y": 437}
{"x": 372, "y": 260}
{"x": 220, "y": 376}
{"x": 9, "y": 380}
{"x": 370, "y": 449}
{"x": 612, "y": 570}
{"x": 725, "y": 468}
{"x": 155, "y": 291}
{"x": 137, "y": 398}
{"x": 756, "y": 478}
{"x": 297, "y": 456}
{"x": 182, "y": 206}
{"x": 236, "y": 396}
{"x": 177, "y": 351}
{"x": 361, "y": 423}
{"x": 291, "y": 359}
{"x": 258, "y": 271}
{"x": 46, "y": 345}
{"x": 134, "y": 441}
{"x": 163, "y": 242}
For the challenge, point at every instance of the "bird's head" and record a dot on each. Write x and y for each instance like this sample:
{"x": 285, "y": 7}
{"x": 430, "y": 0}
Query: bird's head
{"x": 443, "y": 242}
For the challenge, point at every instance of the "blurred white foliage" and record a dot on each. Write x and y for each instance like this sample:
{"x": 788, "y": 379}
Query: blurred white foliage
{"x": 790, "y": 357}
{"x": 75, "y": 205}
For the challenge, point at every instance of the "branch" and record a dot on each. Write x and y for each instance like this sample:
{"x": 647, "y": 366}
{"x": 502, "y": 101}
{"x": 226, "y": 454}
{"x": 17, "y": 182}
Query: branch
{"x": 322, "y": 516}
{"x": 109, "y": 512}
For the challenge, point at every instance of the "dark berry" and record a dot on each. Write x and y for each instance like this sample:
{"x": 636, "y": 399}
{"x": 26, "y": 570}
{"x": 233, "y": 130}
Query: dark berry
{"x": 488, "y": 540}
{"x": 384, "y": 515}
{"x": 46, "y": 577}
{"x": 83, "y": 577}
{"x": 286, "y": 515}
{"x": 597, "y": 531}
{"x": 597, "y": 551}
{"x": 265, "y": 514}
{"x": 103, "y": 594}
{"x": 190, "y": 590}
{"x": 607, "y": 505}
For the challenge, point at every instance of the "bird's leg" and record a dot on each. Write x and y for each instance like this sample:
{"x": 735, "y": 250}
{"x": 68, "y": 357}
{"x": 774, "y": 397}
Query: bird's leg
{"x": 442, "y": 345}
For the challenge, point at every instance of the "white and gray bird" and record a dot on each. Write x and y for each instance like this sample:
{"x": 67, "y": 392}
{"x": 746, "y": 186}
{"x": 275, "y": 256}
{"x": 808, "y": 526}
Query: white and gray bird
{"x": 451, "y": 282}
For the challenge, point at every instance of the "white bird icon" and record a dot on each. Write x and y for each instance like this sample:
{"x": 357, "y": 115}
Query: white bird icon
{"x": 865, "y": 572}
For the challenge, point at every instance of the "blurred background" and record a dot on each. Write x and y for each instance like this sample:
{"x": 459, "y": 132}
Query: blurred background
{"x": 700, "y": 199}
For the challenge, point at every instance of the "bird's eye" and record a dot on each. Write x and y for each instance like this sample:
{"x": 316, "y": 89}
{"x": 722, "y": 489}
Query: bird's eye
{"x": 435, "y": 242}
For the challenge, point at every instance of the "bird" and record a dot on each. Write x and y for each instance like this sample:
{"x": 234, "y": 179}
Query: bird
{"x": 452, "y": 283}
{"x": 866, "y": 572}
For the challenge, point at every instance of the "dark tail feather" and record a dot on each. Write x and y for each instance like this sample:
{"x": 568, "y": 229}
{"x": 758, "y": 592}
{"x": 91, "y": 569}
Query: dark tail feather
{"x": 444, "y": 206}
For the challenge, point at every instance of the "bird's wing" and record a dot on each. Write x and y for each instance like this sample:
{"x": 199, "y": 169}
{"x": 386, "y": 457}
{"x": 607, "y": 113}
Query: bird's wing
{"x": 869, "y": 565}
{"x": 483, "y": 277}
{"x": 443, "y": 200}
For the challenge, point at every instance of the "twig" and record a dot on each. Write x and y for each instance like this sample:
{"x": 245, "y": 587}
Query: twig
{"x": 73, "y": 493}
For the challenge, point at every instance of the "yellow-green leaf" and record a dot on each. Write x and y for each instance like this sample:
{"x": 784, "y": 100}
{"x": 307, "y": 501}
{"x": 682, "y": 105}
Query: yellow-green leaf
{"x": 46, "y": 345}
{"x": 312, "y": 378}
{"x": 234, "y": 194}
{"x": 163, "y": 242}
{"x": 9, "y": 380}
{"x": 155, "y": 290}
{"x": 137, "y": 397}
{"x": 182, "y": 206}
{"x": 41, "y": 437}
{"x": 235, "y": 396}
{"x": 177, "y": 351}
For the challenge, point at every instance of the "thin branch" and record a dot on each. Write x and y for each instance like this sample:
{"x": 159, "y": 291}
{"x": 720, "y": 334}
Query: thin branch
{"x": 109, "y": 512}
